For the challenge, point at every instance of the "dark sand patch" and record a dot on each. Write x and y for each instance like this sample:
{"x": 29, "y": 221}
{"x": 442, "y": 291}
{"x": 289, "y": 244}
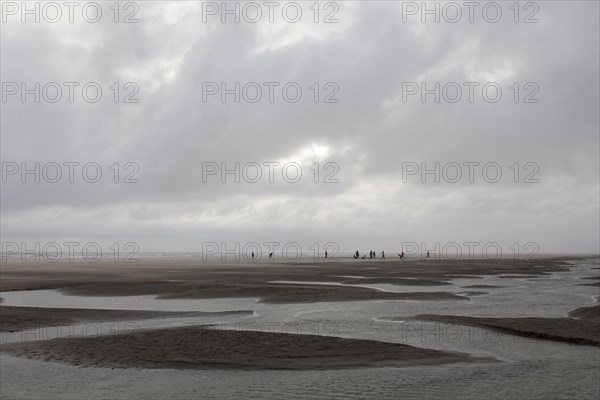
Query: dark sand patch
{"x": 519, "y": 276}
{"x": 470, "y": 294}
{"x": 576, "y": 331}
{"x": 19, "y": 276}
{"x": 275, "y": 293}
{"x": 312, "y": 294}
{"x": 177, "y": 279}
{"x": 483, "y": 287}
{"x": 203, "y": 348}
{"x": 14, "y": 319}
{"x": 395, "y": 281}
{"x": 588, "y": 313}
{"x": 595, "y": 284}
{"x": 373, "y": 278}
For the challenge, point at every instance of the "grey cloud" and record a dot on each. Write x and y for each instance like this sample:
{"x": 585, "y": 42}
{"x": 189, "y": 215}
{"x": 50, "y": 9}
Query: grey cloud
{"x": 369, "y": 133}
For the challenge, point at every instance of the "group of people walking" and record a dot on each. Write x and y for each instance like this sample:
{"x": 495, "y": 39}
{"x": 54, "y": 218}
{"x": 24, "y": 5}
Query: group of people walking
{"x": 372, "y": 254}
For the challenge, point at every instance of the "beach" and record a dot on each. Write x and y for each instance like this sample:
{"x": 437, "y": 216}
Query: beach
{"x": 351, "y": 316}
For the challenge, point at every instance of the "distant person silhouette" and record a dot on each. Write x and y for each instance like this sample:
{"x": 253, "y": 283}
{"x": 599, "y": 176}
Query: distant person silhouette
{"x": 383, "y": 255}
{"x": 325, "y": 253}
{"x": 356, "y": 254}
{"x": 427, "y": 253}
{"x": 253, "y": 255}
{"x": 270, "y": 255}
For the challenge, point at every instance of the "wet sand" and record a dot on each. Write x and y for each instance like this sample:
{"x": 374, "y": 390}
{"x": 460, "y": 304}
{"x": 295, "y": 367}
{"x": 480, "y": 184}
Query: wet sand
{"x": 181, "y": 347}
{"x": 587, "y": 313}
{"x": 582, "y": 328}
{"x": 204, "y": 348}
{"x": 14, "y": 319}
{"x": 184, "y": 280}
{"x": 483, "y": 287}
{"x": 596, "y": 284}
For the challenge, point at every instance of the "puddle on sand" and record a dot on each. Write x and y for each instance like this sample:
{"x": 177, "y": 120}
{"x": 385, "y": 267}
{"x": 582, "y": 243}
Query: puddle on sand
{"x": 56, "y": 299}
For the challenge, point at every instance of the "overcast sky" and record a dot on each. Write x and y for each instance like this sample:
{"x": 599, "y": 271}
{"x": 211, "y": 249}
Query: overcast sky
{"x": 373, "y": 133}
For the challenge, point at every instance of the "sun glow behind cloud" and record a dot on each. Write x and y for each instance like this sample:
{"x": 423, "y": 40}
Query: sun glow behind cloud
{"x": 314, "y": 152}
